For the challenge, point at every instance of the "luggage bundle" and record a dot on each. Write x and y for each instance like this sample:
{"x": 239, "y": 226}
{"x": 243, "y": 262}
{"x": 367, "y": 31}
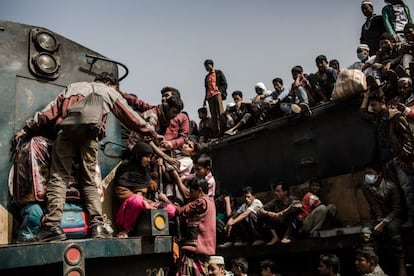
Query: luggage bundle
{"x": 349, "y": 82}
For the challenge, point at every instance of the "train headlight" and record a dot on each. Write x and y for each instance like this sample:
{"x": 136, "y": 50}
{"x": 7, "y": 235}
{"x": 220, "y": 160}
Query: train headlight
{"x": 45, "y": 63}
{"x": 44, "y": 58}
{"x": 46, "y": 41}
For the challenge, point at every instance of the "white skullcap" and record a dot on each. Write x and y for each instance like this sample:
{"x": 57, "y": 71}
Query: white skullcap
{"x": 363, "y": 47}
{"x": 260, "y": 85}
{"x": 216, "y": 260}
{"x": 369, "y": 2}
{"x": 405, "y": 79}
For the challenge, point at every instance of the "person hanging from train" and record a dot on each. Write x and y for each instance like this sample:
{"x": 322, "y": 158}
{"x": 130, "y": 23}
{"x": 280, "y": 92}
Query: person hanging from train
{"x": 170, "y": 121}
{"x": 203, "y": 169}
{"x": 78, "y": 132}
{"x": 383, "y": 197}
{"x": 199, "y": 221}
{"x": 173, "y": 178}
{"x": 394, "y": 145}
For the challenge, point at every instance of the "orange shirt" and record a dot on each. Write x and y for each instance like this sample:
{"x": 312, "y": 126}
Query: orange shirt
{"x": 212, "y": 88}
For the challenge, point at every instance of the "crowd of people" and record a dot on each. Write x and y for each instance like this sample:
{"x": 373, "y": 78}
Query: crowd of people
{"x": 384, "y": 55}
{"x": 164, "y": 166}
{"x": 366, "y": 263}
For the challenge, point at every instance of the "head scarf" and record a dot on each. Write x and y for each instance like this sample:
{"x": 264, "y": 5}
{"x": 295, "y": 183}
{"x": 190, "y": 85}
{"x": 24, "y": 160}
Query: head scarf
{"x": 132, "y": 174}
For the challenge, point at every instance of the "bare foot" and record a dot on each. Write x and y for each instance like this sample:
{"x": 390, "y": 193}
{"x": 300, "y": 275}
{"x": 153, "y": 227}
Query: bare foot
{"x": 285, "y": 240}
{"x": 273, "y": 241}
{"x": 231, "y": 131}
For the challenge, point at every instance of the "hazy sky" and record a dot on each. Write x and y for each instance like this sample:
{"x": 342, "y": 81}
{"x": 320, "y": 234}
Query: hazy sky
{"x": 164, "y": 42}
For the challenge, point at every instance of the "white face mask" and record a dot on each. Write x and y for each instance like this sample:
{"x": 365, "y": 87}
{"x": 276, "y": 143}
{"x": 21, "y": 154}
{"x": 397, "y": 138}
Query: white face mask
{"x": 371, "y": 178}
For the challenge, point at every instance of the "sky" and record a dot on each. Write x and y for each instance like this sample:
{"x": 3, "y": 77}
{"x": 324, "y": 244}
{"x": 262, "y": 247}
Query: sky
{"x": 165, "y": 42}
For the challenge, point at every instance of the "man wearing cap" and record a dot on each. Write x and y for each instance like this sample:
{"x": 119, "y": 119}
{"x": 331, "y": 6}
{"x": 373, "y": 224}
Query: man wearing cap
{"x": 216, "y": 267}
{"x": 372, "y": 28}
{"x": 364, "y": 60}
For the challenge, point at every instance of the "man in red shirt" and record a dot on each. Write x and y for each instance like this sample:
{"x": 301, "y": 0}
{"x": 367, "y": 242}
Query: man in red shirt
{"x": 216, "y": 85}
{"x": 179, "y": 128}
{"x": 174, "y": 128}
{"x": 314, "y": 212}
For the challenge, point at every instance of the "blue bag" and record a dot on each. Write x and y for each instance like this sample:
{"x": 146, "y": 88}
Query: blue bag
{"x": 74, "y": 221}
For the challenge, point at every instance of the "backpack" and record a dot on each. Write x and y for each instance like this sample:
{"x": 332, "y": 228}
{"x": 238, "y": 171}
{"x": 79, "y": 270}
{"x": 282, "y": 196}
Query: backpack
{"x": 74, "y": 221}
{"x": 84, "y": 118}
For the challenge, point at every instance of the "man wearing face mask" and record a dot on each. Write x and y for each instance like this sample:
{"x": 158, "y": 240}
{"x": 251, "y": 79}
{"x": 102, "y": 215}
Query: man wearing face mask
{"x": 394, "y": 145}
{"x": 364, "y": 59}
{"x": 383, "y": 197}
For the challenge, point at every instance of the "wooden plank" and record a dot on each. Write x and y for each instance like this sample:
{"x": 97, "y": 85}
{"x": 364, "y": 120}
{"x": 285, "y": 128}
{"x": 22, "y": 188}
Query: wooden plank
{"x": 6, "y": 224}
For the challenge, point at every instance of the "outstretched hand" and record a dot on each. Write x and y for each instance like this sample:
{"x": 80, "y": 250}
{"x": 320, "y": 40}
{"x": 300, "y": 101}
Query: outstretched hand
{"x": 21, "y": 134}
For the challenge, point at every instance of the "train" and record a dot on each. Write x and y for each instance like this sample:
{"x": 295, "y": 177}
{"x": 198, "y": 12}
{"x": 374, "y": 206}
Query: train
{"x": 334, "y": 144}
{"x": 36, "y": 64}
